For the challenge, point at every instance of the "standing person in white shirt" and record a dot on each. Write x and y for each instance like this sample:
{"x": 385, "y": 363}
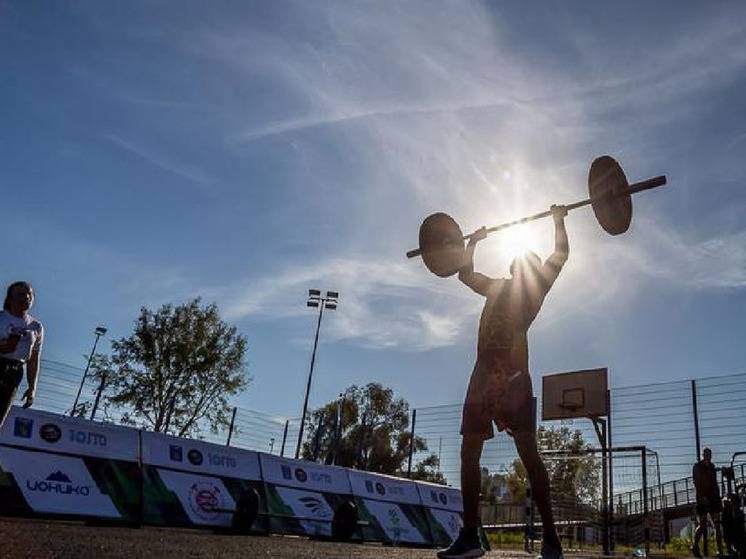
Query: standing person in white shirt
{"x": 21, "y": 338}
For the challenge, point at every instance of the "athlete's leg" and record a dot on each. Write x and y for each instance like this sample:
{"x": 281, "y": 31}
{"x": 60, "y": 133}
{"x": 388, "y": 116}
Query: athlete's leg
{"x": 471, "y": 479}
{"x": 715, "y": 515}
{"x": 525, "y": 443}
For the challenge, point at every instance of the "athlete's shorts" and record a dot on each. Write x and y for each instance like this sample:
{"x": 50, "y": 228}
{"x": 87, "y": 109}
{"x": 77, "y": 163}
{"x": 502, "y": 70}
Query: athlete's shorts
{"x": 498, "y": 393}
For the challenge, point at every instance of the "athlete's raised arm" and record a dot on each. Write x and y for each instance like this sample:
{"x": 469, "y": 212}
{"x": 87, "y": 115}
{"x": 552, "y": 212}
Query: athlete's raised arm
{"x": 553, "y": 265}
{"x": 476, "y": 281}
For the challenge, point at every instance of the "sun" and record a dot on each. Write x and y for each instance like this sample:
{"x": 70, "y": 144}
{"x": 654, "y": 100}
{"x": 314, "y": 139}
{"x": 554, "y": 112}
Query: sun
{"x": 517, "y": 241}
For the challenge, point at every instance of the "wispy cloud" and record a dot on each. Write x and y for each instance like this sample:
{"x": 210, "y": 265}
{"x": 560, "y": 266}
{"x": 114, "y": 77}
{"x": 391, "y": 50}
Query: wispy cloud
{"x": 163, "y": 162}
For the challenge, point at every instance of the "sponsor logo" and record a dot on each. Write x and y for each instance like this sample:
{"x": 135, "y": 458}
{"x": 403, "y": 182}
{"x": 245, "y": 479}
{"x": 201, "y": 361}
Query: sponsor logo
{"x": 315, "y": 506}
{"x": 50, "y": 432}
{"x": 195, "y": 457}
{"x": 301, "y": 475}
{"x": 453, "y": 524}
{"x": 286, "y": 473}
{"x": 87, "y": 438}
{"x": 23, "y": 427}
{"x": 434, "y": 496}
{"x": 395, "y": 523}
{"x": 369, "y": 486}
{"x": 221, "y": 460}
{"x": 175, "y": 453}
{"x": 205, "y": 499}
{"x": 443, "y": 499}
{"x": 380, "y": 488}
{"x": 60, "y": 483}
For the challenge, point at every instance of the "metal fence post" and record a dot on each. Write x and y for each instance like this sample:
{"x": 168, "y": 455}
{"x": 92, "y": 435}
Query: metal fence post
{"x": 411, "y": 443}
{"x": 645, "y": 518}
{"x": 230, "y": 429}
{"x": 284, "y": 437}
{"x": 695, "y": 411}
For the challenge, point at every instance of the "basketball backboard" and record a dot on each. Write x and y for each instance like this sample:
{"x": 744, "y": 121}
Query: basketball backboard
{"x": 574, "y": 394}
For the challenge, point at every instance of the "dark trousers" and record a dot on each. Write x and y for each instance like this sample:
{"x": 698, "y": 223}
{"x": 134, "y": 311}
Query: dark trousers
{"x": 11, "y": 373}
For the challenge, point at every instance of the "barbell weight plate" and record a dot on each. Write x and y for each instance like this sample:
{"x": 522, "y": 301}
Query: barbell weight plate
{"x": 247, "y": 509}
{"x": 442, "y": 244}
{"x": 611, "y": 202}
{"x": 345, "y": 521}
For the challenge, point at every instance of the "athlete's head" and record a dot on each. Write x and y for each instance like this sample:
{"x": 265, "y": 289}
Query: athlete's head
{"x": 19, "y": 297}
{"x": 707, "y": 455}
{"x": 525, "y": 265}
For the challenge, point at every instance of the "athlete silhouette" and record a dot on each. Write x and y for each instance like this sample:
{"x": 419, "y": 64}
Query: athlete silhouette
{"x": 500, "y": 387}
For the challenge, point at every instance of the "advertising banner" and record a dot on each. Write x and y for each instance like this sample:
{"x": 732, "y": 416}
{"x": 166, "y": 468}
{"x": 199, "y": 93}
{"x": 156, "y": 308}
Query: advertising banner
{"x": 194, "y": 483}
{"x": 444, "y": 507}
{"x": 384, "y": 488}
{"x": 53, "y": 464}
{"x": 199, "y": 457}
{"x": 302, "y": 496}
{"x": 52, "y": 432}
{"x": 304, "y": 475}
{"x": 392, "y": 507}
{"x": 56, "y": 484}
{"x": 200, "y": 496}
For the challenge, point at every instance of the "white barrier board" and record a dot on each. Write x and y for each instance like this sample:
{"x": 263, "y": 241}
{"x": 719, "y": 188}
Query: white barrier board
{"x": 200, "y": 496}
{"x": 383, "y": 488}
{"x": 52, "y": 483}
{"x": 199, "y": 457}
{"x": 304, "y": 475}
{"x": 308, "y": 504}
{"x": 450, "y": 521}
{"x": 440, "y": 497}
{"x": 58, "y": 433}
{"x": 394, "y": 522}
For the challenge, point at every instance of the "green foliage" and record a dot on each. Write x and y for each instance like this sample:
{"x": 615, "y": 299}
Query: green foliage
{"x": 373, "y": 435}
{"x": 570, "y": 476}
{"x": 506, "y": 539}
{"x": 174, "y": 373}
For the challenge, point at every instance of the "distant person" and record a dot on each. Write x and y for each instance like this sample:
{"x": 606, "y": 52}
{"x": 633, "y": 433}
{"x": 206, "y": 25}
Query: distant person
{"x": 708, "y": 500}
{"x": 500, "y": 388}
{"x": 21, "y": 338}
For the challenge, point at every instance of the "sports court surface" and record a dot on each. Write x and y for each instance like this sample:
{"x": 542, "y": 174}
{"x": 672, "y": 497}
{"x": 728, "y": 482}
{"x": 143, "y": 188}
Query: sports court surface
{"x": 40, "y": 539}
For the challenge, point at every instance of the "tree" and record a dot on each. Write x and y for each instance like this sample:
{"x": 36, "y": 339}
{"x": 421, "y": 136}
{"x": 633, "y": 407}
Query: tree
{"x": 176, "y": 371}
{"x": 372, "y": 435}
{"x": 574, "y": 477}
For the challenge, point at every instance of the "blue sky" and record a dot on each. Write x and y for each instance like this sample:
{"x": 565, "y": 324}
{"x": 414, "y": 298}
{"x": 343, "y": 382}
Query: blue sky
{"x": 247, "y": 151}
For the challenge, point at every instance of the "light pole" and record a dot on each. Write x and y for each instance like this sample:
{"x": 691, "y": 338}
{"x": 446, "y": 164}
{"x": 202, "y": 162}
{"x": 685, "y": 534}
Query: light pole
{"x": 315, "y": 300}
{"x": 99, "y": 331}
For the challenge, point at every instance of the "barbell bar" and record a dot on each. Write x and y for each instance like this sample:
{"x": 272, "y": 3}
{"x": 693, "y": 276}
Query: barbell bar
{"x": 441, "y": 239}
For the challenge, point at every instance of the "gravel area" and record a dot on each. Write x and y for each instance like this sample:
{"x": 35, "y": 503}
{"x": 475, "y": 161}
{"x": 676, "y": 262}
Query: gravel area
{"x": 39, "y": 539}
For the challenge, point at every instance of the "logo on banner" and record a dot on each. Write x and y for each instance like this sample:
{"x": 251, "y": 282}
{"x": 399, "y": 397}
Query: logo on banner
{"x": 23, "y": 427}
{"x": 369, "y": 486}
{"x": 380, "y": 488}
{"x": 286, "y": 473}
{"x": 443, "y": 499}
{"x": 50, "y": 432}
{"x": 205, "y": 499}
{"x": 434, "y": 496}
{"x": 87, "y": 438}
{"x": 175, "y": 453}
{"x": 195, "y": 457}
{"x": 301, "y": 475}
{"x": 60, "y": 483}
{"x": 395, "y": 523}
{"x": 315, "y": 507}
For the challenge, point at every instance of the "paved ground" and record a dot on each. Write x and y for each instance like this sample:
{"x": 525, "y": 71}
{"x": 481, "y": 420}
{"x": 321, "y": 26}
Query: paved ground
{"x": 37, "y": 539}
{"x": 34, "y": 539}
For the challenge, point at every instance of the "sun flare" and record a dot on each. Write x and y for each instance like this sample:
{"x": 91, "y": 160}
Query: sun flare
{"x": 517, "y": 241}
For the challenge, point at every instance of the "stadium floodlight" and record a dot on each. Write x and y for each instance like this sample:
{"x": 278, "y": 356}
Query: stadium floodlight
{"x": 99, "y": 331}
{"x": 317, "y": 301}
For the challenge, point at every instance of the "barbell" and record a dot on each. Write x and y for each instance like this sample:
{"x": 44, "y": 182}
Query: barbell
{"x": 610, "y": 196}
